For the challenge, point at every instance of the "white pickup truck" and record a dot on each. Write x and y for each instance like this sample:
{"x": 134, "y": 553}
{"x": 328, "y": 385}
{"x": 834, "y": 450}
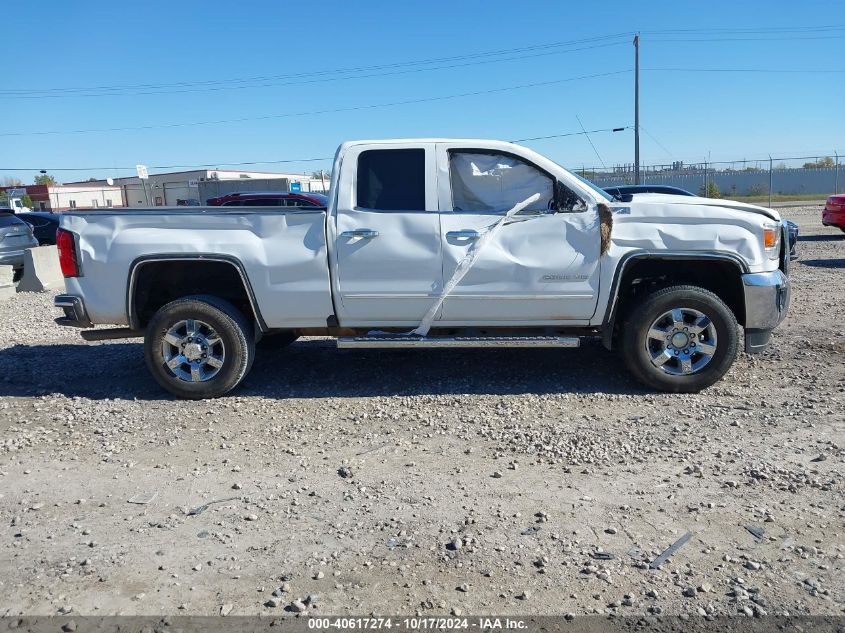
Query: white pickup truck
{"x": 432, "y": 243}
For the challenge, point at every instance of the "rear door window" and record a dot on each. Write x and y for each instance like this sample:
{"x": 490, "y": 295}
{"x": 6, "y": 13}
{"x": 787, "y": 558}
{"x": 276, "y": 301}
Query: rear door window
{"x": 391, "y": 180}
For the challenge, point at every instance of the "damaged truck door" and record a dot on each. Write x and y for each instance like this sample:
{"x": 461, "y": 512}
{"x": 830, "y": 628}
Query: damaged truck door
{"x": 542, "y": 266}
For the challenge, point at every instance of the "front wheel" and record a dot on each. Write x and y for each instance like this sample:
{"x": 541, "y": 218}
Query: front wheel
{"x": 199, "y": 347}
{"x": 680, "y": 339}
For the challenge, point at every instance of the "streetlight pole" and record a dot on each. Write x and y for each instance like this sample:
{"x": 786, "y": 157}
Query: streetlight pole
{"x": 637, "y": 109}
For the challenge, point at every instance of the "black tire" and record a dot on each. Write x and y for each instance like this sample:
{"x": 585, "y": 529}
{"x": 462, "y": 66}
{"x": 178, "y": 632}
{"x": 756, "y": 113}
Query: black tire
{"x": 276, "y": 340}
{"x": 234, "y": 330}
{"x": 636, "y": 342}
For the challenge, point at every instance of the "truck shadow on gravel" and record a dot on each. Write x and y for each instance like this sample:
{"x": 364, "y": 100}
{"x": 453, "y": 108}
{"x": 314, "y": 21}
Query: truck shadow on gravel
{"x": 821, "y": 238}
{"x": 824, "y": 263}
{"x": 315, "y": 368}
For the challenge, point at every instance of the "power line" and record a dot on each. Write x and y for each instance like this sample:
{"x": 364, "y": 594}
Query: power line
{"x": 541, "y": 138}
{"x": 308, "y": 81}
{"x": 663, "y": 147}
{"x": 779, "y": 33}
{"x": 744, "y": 39}
{"x": 744, "y": 70}
{"x": 435, "y": 60}
{"x": 318, "y": 112}
{"x": 200, "y": 165}
{"x": 752, "y": 29}
{"x": 270, "y": 162}
{"x": 601, "y": 160}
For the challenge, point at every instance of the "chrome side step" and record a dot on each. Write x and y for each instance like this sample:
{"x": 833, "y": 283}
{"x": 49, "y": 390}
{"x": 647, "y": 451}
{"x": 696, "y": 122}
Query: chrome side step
{"x": 433, "y": 342}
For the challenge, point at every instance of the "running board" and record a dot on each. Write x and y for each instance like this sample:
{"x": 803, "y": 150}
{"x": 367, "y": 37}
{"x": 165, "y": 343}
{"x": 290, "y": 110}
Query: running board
{"x": 434, "y": 342}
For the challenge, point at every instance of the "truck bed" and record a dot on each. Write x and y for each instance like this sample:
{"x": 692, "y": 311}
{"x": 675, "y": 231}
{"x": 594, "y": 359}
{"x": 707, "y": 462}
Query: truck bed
{"x": 281, "y": 252}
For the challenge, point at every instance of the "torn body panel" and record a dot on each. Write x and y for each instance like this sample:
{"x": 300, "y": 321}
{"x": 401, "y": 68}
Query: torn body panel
{"x": 657, "y": 227}
{"x": 542, "y": 268}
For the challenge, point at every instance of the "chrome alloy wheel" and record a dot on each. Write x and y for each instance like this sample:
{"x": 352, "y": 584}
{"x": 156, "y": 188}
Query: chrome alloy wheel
{"x": 193, "y": 351}
{"x": 681, "y": 341}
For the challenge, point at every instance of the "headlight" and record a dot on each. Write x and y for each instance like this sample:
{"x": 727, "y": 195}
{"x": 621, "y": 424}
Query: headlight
{"x": 771, "y": 240}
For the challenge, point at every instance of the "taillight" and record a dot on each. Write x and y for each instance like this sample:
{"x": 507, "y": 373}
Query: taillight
{"x": 67, "y": 253}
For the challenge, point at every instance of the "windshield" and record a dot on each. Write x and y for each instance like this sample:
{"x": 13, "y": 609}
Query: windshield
{"x": 595, "y": 188}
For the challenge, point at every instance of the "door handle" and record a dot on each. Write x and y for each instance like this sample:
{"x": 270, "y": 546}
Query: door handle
{"x": 365, "y": 233}
{"x": 470, "y": 235}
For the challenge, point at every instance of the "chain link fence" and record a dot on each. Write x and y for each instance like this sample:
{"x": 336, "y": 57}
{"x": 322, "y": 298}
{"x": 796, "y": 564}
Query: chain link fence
{"x": 802, "y": 176}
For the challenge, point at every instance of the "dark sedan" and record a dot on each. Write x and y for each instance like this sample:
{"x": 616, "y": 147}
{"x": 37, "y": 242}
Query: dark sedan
{"x": 625, "y": 192}
{"x": 44, "y": 226}
{"x": 269, "y": 199}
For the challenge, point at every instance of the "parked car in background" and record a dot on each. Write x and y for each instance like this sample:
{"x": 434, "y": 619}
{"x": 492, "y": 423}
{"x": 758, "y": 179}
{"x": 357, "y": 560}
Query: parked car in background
{"x": 792, "y": 236}
{"x": 44, "y": 226}
{"x": 834, "y": 212}
{"x": 269, "y": 199}
{"x": 15, "y": 237}
{"x": 625, "y": 192}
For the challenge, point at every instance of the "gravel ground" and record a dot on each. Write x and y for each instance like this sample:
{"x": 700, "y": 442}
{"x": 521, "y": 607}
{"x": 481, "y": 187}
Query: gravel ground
{"x": 512, "y": 481}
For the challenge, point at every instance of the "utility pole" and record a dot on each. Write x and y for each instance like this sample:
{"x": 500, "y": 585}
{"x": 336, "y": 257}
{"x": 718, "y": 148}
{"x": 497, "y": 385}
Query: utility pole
{"x": 637, "y": 109}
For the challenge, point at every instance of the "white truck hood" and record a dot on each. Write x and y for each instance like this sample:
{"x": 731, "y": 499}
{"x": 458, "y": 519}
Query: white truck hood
{"x": 663, "y": 198}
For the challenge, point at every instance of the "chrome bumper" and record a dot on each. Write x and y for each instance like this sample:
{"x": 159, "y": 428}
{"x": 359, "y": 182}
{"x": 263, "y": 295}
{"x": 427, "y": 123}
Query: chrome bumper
{"x": 766, "y": 304}
{"x": 74, "y": 309}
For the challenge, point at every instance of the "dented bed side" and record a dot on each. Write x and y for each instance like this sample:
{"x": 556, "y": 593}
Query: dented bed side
{"x": 283, "y": 255}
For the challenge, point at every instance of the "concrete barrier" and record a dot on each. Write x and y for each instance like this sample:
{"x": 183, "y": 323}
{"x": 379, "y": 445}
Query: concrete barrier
{"x": 7, "y": 282}
{"x": 41, "y": 270}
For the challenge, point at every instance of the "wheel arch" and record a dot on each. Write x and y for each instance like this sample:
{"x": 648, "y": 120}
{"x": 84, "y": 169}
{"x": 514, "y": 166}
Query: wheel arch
{"x": 187, "y": 274}
{"x": 662, "y": 268}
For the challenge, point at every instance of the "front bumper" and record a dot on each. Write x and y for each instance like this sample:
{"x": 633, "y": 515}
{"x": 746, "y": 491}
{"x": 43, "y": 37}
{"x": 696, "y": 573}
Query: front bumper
{"x": 74, "y": 309}
{"x": 766, "y": 304}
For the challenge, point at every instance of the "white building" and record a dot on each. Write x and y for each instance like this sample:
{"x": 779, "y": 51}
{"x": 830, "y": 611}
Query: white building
{"x": 183, "y": 187}
{"x": 87, "y": 195}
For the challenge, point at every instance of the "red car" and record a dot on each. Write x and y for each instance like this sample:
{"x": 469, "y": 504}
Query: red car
{"x": 269, "y": 199}
{"x": 834, "y": 212}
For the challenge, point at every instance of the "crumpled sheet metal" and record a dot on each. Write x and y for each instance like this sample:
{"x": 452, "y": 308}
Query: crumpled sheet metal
{"x": 466, "y": 263}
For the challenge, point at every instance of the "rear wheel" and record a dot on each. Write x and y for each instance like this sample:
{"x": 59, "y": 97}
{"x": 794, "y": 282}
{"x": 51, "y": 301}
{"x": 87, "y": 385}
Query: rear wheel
{"x": 199, "y": 347}
{"x": 680, "y": 339}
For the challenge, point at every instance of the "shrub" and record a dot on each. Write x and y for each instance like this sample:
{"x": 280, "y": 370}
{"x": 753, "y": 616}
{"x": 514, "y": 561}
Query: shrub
{"x": 711, "y": 191}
